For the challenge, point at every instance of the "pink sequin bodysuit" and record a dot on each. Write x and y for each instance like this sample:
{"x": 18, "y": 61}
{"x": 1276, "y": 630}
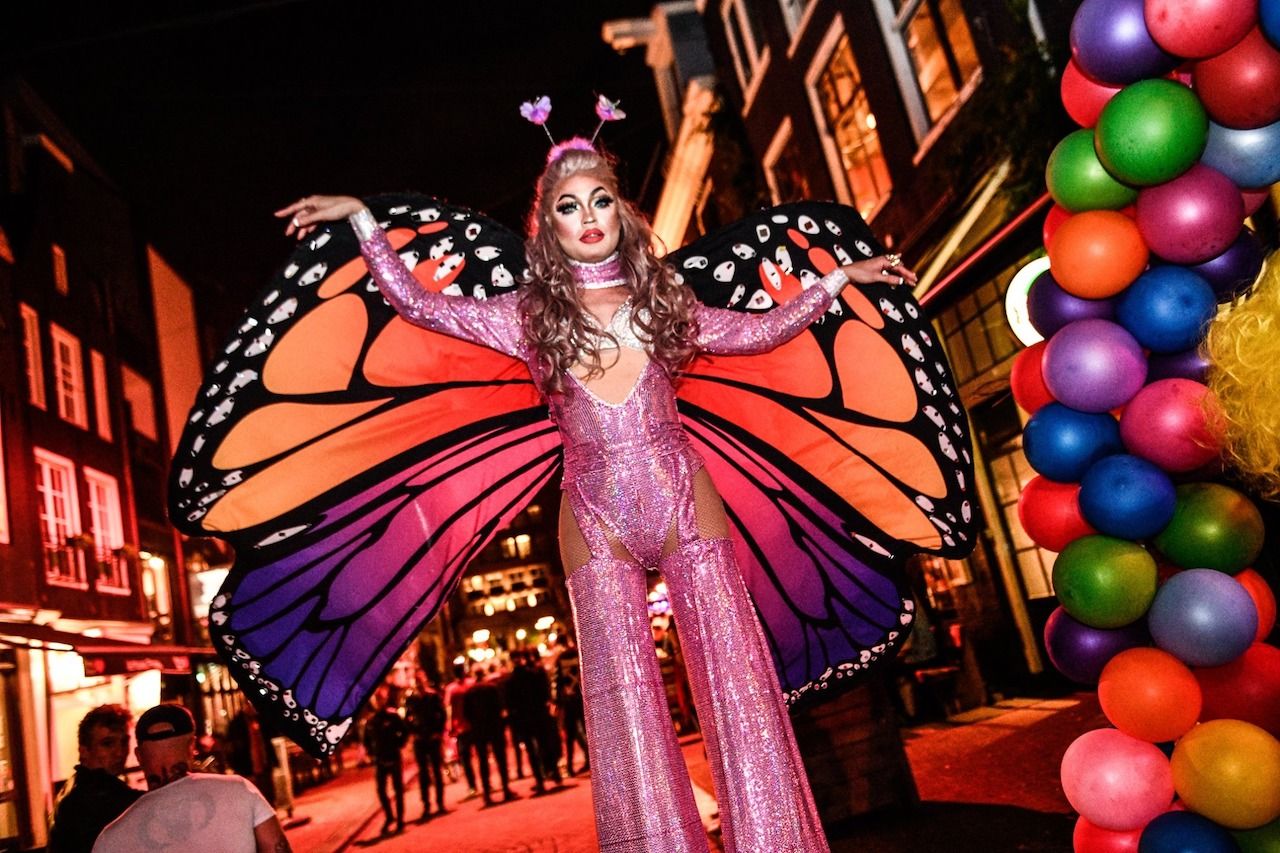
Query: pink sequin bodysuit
{"x": 628, "y": 475}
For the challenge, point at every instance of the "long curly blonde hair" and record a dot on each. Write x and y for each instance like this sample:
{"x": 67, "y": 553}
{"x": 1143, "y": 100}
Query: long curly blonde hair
{"x": 555, "y": 321}
{"x": 1244, "y": 372}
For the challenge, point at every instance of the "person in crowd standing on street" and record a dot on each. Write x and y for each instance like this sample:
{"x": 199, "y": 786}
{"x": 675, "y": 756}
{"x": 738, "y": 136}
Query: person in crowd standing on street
{"x": 184, "y": 811}
{"x": 385, "y": 735}
{"x": 425, "y": 714}
{"x": 95, "y": 795}
{"x": 570, "y": 704}
{"x": 456, "y": 724}
{"x": 527, "y": 694}
{"x": 483, "y": 709}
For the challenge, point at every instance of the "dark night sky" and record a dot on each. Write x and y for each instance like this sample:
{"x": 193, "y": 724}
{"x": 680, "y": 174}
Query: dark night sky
{"x": 210, "y": 115}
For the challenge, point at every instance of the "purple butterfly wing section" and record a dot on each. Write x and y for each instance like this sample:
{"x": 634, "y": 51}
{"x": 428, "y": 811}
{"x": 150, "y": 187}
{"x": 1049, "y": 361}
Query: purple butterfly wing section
{"x": 312, "y": 623}
{"x": 827, "y": 612}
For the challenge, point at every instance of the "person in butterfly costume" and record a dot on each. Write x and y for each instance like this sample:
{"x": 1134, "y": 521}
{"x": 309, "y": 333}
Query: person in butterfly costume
{"x": 637, "y": 496}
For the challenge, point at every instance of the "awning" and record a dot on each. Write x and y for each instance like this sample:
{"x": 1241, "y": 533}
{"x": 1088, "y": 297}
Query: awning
{"x": 102, "y": 655}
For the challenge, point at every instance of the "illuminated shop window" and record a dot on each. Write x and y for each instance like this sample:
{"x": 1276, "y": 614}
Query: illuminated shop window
{"x": 848, "y": 115}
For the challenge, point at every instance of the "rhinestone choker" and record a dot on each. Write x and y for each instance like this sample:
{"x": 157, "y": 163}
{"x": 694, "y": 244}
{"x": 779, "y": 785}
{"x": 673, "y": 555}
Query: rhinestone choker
{"x": 601, "y": 274}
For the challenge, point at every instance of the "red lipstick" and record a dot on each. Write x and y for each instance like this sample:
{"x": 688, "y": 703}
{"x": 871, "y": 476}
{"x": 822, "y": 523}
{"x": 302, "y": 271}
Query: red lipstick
{"x": 591, "y": 235}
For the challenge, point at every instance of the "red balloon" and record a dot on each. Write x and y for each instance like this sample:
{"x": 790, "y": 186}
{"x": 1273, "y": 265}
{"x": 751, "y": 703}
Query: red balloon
{"x": 1246, "y": 689}
{"x": 1089, "y": 838}
{"x": 1167, "y": 423}
{"x": 1027, "y": 379}
{"x": 1254, "y": 199}
{"x": 1056, "y": 216}
{"x": 1050, "y": 513}
{"x": 1263, "y": 598}
{"x": 1083, "y": 96}
{"x": 1199, "y": 28}
{"x": 1241, "y": 88}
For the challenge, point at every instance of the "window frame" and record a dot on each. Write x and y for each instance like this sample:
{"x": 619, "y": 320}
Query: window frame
{"x": 68, "y": 376}
{"x": 751, "y": 72}
{"x": 46, "y": 461}
{"x": 107, "y": 543}
{"x": 61, "y": 282}
{"x": 4, "y": 489}
{"x": 31, "y": 345}
{"x": 101, "y": 395}
{"x": 796, "y": 24}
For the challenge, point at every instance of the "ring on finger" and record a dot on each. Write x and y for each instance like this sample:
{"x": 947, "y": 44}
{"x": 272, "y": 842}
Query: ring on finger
{"x": 296, "y": 223}
{"x": 893, "y": 259}
{"x": 902, "y": 280}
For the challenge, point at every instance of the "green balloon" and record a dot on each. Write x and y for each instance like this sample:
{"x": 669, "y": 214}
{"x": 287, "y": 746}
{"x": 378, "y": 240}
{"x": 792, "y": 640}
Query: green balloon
{"x": 1151, "y": 132}
{"x": 1105, "y": 582}
{"x": 1264, "y": 839}
{"x": 1077, "y": 180}
{"x": 1213, "y": 527}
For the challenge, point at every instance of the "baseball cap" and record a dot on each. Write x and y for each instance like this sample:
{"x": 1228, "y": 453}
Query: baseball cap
{"x": 164, "y": 721}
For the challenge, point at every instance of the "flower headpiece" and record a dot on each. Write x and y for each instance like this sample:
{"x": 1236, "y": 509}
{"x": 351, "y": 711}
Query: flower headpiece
{"x": 539, "y": 110}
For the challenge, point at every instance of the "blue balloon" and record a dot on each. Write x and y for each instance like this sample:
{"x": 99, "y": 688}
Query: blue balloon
{"x": 1203, "y": 617}
{"x": 1127, "y": 497}
{"x": 1061, "y": 443}
{"x": 1167, "y": 308}
{"x": 1269, "y": 20}
{"x": 1185, "y": 832}
{"x": 1250, "y": 158}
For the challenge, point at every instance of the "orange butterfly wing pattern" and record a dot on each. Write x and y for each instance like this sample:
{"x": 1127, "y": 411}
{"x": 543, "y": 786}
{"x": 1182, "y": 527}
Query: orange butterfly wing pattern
{"x": 357, "y": 463}
{"x": 839, "y": 454}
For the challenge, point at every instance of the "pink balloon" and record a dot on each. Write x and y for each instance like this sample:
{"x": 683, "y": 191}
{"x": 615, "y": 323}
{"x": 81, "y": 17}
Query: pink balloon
{"x": 1115, "y": 781}
{"x": 1192, "y": 218}
{"x": 1083, "y": 96}
{"x": 1199, "y": 28}
{"x": 1241, "y": 88}
{"x": 1166, "y": 423}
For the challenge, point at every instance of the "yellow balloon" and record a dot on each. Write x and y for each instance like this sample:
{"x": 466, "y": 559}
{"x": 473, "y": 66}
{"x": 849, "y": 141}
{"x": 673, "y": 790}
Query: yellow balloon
{"x": 1229, "y": 771}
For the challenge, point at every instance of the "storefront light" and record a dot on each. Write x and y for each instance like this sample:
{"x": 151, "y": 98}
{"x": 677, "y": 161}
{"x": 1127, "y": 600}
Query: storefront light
{"x": 459, "y": 660}
{"x": 1015, "y": 302}
{"x": 551, "y": 638}
{"x": 488, "y": 609}
{"x": 156, "y": 564}
{"x": 521, "y": 633}
{"x": 544, "y": 623}
{"x": 481, "y": 636}
{"x": 532, "y": 600}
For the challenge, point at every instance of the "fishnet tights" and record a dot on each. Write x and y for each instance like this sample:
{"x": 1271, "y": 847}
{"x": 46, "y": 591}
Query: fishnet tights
{"x": 708, "y": 511}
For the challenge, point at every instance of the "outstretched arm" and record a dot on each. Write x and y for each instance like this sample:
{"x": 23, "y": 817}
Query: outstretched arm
{"x": 494, "y": 322}
{"x": 725, "y": 332}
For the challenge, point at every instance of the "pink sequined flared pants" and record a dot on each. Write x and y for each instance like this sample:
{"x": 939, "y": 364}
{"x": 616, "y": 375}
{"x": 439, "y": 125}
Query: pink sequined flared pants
{"x": 641, "y": 790}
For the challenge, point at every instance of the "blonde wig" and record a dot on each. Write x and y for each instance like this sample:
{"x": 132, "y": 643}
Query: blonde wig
{"x": 555, "y": 321}
{"x": 1244, "y": 373}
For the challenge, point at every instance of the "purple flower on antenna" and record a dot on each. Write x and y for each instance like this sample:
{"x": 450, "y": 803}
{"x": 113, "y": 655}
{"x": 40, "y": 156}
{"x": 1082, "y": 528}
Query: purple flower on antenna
{"x": 608, "y": 110}
{"x": 537, "y": 111}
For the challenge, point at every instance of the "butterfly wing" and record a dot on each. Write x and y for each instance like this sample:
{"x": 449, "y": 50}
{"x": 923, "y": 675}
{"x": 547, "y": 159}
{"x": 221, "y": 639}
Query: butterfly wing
{"x": 840, "y": 453}
{"x": 356, "y": 462}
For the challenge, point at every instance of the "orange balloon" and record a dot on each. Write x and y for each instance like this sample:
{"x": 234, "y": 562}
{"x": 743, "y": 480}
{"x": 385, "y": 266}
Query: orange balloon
{"x": 1097, "y": 253}
{"x": 1149, "y": 694}
{"x": 1229, "y": 772}
{"x": 1263, "y": 598}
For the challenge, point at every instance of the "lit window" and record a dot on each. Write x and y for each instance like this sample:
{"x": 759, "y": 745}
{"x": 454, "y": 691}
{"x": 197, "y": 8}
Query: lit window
{"x": 852, "y": 124}
{"x": 59, "y": 520}
{"x": 68, "y": 376}
{"x": 4, "y": 496}
{"x": 940, "y": 48}
{"x": 142, "y": 402}
{"x": 524, "y": 544}
{"x": 746, "y": 42}
{"x": 60, "y": 280}
{"x": 35, "y": 363}
{"x": 110, "y": 567}
{"x": 101, "y": 405}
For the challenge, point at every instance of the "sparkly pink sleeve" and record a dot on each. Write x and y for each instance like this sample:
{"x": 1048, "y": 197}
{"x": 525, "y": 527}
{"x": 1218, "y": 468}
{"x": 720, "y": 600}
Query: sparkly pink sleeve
{"x": 492, "y": 322}
{"x": 725, "y": 332}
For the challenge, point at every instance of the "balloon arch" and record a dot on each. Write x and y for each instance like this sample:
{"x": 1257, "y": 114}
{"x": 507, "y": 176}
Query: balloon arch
{"x": 1179, "y": 107}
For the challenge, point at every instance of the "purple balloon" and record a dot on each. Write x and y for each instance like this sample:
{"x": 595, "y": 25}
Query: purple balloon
{"x": 1049, "y": 307}
{"x": 1188, "y": 364}
{"x": 1235, "y": 270}
{"x": 1192, "y": 218}
{"x": 1079, "y": 651}
{"x": 1093, "y": 366}
{"x": 1110, "y": 42}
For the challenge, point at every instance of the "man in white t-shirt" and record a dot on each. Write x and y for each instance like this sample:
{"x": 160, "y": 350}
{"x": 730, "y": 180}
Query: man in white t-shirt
{"x": 184, "y": 811}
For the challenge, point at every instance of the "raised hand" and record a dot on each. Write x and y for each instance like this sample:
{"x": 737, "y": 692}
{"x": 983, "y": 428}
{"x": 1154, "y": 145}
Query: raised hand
{"x": 886, "y": 268}
{"x": 305, "y": 214}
